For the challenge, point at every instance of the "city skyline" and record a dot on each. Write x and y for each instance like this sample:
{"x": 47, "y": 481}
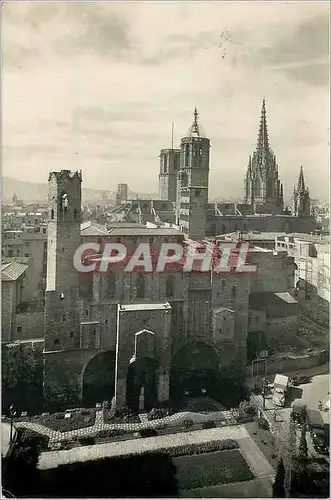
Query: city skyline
{"x": 91, "y": 79}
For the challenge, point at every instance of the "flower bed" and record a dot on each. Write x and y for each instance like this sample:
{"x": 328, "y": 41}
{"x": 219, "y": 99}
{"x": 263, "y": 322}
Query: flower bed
{"x": 78, "y": 420}
{"x": 209, "y": 469}
{"x": 157, "y": 413}
{"x": 120, "y": 415}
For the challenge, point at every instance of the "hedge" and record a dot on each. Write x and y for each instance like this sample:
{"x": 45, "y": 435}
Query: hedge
{"x": 157, "y": 413}
{"x": 192, "y": 449}
{"x": 78, "y": 420}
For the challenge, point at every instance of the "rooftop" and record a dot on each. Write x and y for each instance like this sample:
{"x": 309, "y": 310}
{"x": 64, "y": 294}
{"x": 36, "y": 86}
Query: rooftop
{"x": 271, "y": 236}
{"x": 93, "y": 229}
{"x": 12, "y": 271}
{"x": 90, "y": 228}
{"x": 144, "y": 307}
{"x": 286, "y": 297}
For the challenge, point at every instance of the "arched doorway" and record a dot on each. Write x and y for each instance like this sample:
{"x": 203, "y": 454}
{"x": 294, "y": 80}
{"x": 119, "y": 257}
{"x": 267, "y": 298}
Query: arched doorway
{"x": 141, "y": 393}
{"x": 194, "y": 369}
{"x": 99, "y": 379}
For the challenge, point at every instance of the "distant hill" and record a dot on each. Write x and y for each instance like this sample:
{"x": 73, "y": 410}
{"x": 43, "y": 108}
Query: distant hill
{"x": 37, "y": 192}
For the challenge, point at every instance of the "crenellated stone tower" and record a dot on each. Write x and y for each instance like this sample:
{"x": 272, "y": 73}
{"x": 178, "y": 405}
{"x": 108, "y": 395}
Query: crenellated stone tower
{"x": 192, "y": 182}
{"x": 169, "y": 167}
{"x": 301, "y": 198}
{"x": 262, "y": 185}
{"x": 62, "y": 285}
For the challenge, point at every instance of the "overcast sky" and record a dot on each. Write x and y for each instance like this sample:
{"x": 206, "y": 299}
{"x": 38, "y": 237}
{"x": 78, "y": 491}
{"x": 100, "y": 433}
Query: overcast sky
{"x": 95, "y": 86}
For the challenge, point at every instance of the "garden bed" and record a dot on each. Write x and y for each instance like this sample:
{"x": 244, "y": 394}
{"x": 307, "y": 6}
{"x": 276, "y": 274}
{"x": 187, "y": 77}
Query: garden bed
{"x": 202, "y": 405}
{"x": 110, "y": 418}
{"x": 209, "y": 469}
{"x": 57, "y": 422}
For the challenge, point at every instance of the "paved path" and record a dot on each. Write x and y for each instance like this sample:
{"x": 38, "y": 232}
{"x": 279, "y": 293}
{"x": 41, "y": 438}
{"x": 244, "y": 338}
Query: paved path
{"x": 51, "y": 459}
{"x": 57, "y": 436}
{"x": 254, "y": 457}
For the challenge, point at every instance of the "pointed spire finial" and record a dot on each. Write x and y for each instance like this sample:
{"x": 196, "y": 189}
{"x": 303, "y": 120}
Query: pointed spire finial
{"x": 262, "y": 146}
{"x": 195, "y": 129}
{"x": 301, "y": 180}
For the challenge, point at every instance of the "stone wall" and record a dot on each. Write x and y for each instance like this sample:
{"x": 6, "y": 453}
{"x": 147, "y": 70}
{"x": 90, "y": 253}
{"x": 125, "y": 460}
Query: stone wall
{"x": 273, "y": 223}
{"x": 30, "y": 325}
{"x": 293, "y": 363}
{"x": 7, "y": 312}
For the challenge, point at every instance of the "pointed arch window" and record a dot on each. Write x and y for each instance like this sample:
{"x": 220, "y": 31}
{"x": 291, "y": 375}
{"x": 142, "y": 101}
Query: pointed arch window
{"x": 170, "y": 285}
{"x": 75, "y": 214}
{"x": 257, "y": 187}
{"x": 64, "y": 204}
{"x": 187, "y": 155}
{"x": 165, "y": 164}
{"x": 52, "y": 214}
{"x": 140, "y": 285}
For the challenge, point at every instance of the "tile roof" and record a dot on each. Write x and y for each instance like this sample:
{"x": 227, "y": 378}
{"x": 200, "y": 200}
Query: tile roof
{"x": 286, "y": 297}
{"x": 92, "y": 229}
{"x": 12, "y": 271}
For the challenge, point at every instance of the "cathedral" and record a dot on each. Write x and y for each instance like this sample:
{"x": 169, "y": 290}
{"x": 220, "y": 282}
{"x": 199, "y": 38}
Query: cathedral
{"x": 183, "y": 192}
{"x": 263, "y": 189}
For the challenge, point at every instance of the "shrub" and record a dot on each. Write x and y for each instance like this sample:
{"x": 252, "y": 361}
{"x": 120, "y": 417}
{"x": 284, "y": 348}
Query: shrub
{"x": 157, "y": 413}
{"x": 66, "y": 445}
{"x": 120, "y": 414}
{"x": 105, "y": 433}
{"x": 247, "y": 408}
{"x": 161, "y": 426}
{"x": 187, "y": 424}
{"x": 145, "y": 433}
{"x": 85, "y": 413}
{"x": 27, "y": 437}
{"x": 196, "y": 449}
{"x": 87, "y": 440}
{"x": 208, "y": 425}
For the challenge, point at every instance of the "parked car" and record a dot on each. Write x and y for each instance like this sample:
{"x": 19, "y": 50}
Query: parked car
{"x": 298, "y": 413}
{"x": 319, "y": 432}
{"x": 300, "y": 379}
{"x": 280, "y": 390}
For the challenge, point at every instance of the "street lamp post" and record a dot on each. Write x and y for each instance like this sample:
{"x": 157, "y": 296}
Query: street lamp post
{"x": 264, "y": 391}
{"x": 12, "y": 414}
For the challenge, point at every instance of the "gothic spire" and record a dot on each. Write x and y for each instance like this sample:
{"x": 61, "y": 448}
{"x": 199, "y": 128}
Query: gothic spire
{"x": 195, "y": 129}
{"x": 301, "y": 181}
{"x": 262, "y": 146}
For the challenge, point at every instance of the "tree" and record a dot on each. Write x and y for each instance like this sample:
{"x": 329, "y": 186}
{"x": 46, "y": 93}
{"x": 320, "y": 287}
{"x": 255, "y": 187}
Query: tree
{"x": 278, "y": 488}
{"x": 303, "y": 447}
{"x": 22, "y": 378}
{"x": 299, "y": 475}
{"x": 292, "y": 439}
{"x": 291, "y": 454}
